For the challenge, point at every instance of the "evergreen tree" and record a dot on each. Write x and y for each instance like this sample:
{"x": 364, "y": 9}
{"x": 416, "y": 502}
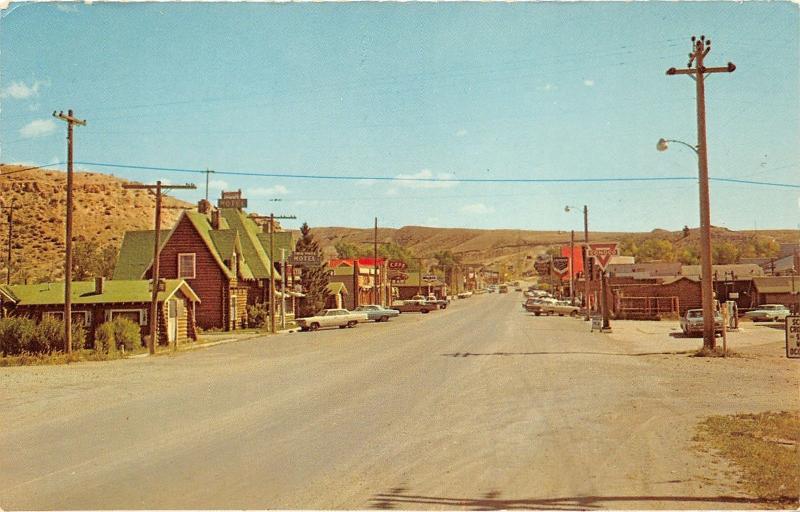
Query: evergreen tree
{"x": 314, "y": 280}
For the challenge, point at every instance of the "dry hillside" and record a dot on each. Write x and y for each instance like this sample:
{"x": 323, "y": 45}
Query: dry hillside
{"x": 103, "y": 211}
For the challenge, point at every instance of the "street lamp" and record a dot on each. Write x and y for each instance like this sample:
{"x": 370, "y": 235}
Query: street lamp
{"x": 706, "y": 286}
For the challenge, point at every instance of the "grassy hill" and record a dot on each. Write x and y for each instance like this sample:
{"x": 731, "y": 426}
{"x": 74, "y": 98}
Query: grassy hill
{"x": 103, "y": 211}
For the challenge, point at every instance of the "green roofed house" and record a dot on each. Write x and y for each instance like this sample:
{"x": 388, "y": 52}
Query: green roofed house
{"x": 221, "y": 253}
{"x": 95, "y": 302}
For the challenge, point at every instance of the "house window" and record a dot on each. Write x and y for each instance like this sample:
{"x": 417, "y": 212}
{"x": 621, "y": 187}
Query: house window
{"x": 78, "y": 317}
{"x": 186, "y": 268}
{"x": 137, "y": 316}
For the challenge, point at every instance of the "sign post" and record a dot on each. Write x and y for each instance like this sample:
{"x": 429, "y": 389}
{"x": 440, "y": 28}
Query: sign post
{"x": 602, "y": 254}
{"x": 793, "y": 337}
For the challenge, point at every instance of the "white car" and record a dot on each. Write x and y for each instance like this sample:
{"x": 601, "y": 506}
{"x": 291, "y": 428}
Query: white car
{"x": 769, "y": 313}
{"x": 340, "y": 318}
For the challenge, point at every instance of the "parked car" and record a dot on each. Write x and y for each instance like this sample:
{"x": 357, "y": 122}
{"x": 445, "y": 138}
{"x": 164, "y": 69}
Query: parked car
{"x": 548, "y": 306}
{"x": 340, "y": 318}
{"x": 442, "y": 303}
{"x": 692, "y": 322}
{"x": 769, "y": 313}
{"x": 503, "y": 288}
{"x": 414, "y": 306}
{"x": 377, "y": 312}
{"x": 464, "y": 295}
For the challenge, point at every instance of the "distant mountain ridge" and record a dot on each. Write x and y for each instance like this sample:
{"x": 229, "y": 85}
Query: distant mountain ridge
{"x": 104, "y": 211}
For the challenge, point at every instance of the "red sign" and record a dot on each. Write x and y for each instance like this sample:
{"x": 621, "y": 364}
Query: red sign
{"x": 602, "y": 253}
{"x": 397, "y": 265}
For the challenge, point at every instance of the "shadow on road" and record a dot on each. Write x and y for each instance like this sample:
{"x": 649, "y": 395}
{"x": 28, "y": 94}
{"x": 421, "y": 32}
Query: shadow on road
{"x": 492, "y": 501}
{"x": 577, "y": 352}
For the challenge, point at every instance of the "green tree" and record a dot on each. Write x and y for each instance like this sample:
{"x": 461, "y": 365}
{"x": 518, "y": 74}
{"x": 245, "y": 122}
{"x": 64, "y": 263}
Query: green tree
{"x": 314, "y": 280}
{"x": 90, "y": 260}
{"x": 347, "y": 250}
{"x": 689, "y": 256}
{"x": 628, "y": 247}
{"x": 654, "y": 249}
{"x": 724, "y": 253}
{"x": 395, "y": 251}
{"x": 446, "y": 261}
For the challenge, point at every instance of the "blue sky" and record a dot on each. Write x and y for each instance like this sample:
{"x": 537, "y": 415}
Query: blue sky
{"x": 438, "y": 90}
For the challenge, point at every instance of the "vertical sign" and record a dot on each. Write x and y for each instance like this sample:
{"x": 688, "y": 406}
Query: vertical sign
{"x": 793, "y": 337}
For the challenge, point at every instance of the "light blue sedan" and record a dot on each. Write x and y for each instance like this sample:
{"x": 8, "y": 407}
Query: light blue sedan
{"x": 377, "y": 313}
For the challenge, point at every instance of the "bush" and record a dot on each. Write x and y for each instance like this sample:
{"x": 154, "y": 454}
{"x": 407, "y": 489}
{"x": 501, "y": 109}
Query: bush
{"x": 258, "y": 315}
{"x": 115, "y": 334}
{"x": 22, "y": 334}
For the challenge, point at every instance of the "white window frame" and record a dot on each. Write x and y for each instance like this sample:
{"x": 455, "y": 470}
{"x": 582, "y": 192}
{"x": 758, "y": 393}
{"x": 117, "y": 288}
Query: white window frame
{"x": 194, "y": 265}
{"x": 59, "y": 315}
{"x": 142, "y": 314}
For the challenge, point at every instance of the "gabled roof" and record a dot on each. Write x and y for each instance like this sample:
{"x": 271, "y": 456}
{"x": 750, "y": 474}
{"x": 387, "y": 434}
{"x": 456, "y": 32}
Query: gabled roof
{"x": 136, "y": 253}
{"x": 335, "y": 288}
{"x": 776, "y": 284}
{"x": 6, "y": 295}
{"x": 694, "y": 279}
{"x": 281, "y": 240}
{"x": 253, "y": 250}
{"x": 83, "y": 292}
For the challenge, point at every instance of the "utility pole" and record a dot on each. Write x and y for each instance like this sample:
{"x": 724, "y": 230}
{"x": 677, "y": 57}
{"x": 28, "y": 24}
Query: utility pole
{"x": 271, "y": 219}
{"x": 71, "y": 121}
{"x": 376, "y": 291}
{"x": 10, "y": 217}
{"x": 158, "y": 187}
{"x": 571, "y": 275}
{"x": 283, "y": 294}
{"x": 700, "y": 48}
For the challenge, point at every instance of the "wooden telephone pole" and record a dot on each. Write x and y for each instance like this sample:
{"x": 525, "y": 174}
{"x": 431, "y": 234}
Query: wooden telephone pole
{"x": 71, "y": 121}
{"x": 700, "y": 48}
{"x": 158, "y": 187}
{"x": 10, "y": 217}
{"x": 271, "y": 218}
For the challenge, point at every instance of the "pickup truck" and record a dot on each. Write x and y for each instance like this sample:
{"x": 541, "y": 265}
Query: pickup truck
{"x": 414, "y": 306}
{"x": 340, "y": 318}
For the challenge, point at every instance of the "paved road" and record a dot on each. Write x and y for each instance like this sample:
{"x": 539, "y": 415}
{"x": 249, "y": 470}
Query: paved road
{"x": 477, "y": 406}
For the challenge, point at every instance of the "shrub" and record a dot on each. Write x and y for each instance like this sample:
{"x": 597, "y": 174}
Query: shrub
{"x": 120, "y": 332}
{"x": 258, "y": 315}
{"x": 22, "y": 334}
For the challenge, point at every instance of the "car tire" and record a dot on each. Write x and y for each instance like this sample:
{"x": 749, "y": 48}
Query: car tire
{"x": 538, "y": 313}
{"x": 573, "y": 314}
{"x": 314, "y": 326}
{"x": 304, "y": 329}
{"x": 424, "y": 311}
{"x": 384, "y": 319}
{"x": 351, "y": 324}
{"x": 342, "y": 326}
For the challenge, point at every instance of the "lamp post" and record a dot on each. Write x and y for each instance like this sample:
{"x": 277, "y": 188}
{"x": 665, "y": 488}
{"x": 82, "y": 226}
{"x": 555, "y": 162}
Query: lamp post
{"x": 587, "y": 267}
{"x": 706, "y": 285}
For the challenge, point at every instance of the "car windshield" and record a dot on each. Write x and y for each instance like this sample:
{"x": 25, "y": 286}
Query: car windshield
{"x": 694, "y": 314}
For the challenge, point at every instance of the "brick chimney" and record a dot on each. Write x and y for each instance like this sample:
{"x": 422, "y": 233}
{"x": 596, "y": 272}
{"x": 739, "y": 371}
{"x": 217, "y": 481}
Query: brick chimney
{"x": 204, "y": 207}
{"x": 215, "y": 219}
{"x": 99, "y": 285}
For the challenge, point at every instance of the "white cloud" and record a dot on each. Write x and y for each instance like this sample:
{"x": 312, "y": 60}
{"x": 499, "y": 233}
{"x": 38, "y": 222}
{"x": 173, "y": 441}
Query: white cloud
{"x": 476, "y": 209}
{"x": 21, "y": 91}
{"x": 37, "y": 128}
{"x": 65, "y": 7}
{"x": 217, "y": 184}
{"x": 428, "y": 180}
{"x": 588, "y": 83}
{"x": 547, "y": 87}
{"x": 275, "y": 190}
{"x": 461, "y": 132}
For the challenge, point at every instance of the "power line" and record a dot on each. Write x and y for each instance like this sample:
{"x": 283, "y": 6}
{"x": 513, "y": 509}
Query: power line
{"x": 432, "y": 180}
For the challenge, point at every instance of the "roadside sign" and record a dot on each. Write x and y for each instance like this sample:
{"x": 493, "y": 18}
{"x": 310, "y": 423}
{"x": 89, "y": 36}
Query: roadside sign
{"x": 304, "y": 259}
{"x": 429, "y": 277}
{"x": 397, "y": 265}
{"x": 560, "y": 264}
{"x": 399, "y": 278}
{"x": 542, "y": 267}
{"x": 597, "y": 323}
{"x": 793, "y": 337}
{"x": 602, "y": 253}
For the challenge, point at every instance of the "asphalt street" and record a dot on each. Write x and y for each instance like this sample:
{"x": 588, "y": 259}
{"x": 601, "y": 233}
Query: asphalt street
{"x": 477, "y": 406}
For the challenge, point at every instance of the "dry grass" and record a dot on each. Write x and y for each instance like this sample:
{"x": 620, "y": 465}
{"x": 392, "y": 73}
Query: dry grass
{"x": 764, "y": 447}
{"x": 717, "y": 352}
{"x": 56, "y": 358}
